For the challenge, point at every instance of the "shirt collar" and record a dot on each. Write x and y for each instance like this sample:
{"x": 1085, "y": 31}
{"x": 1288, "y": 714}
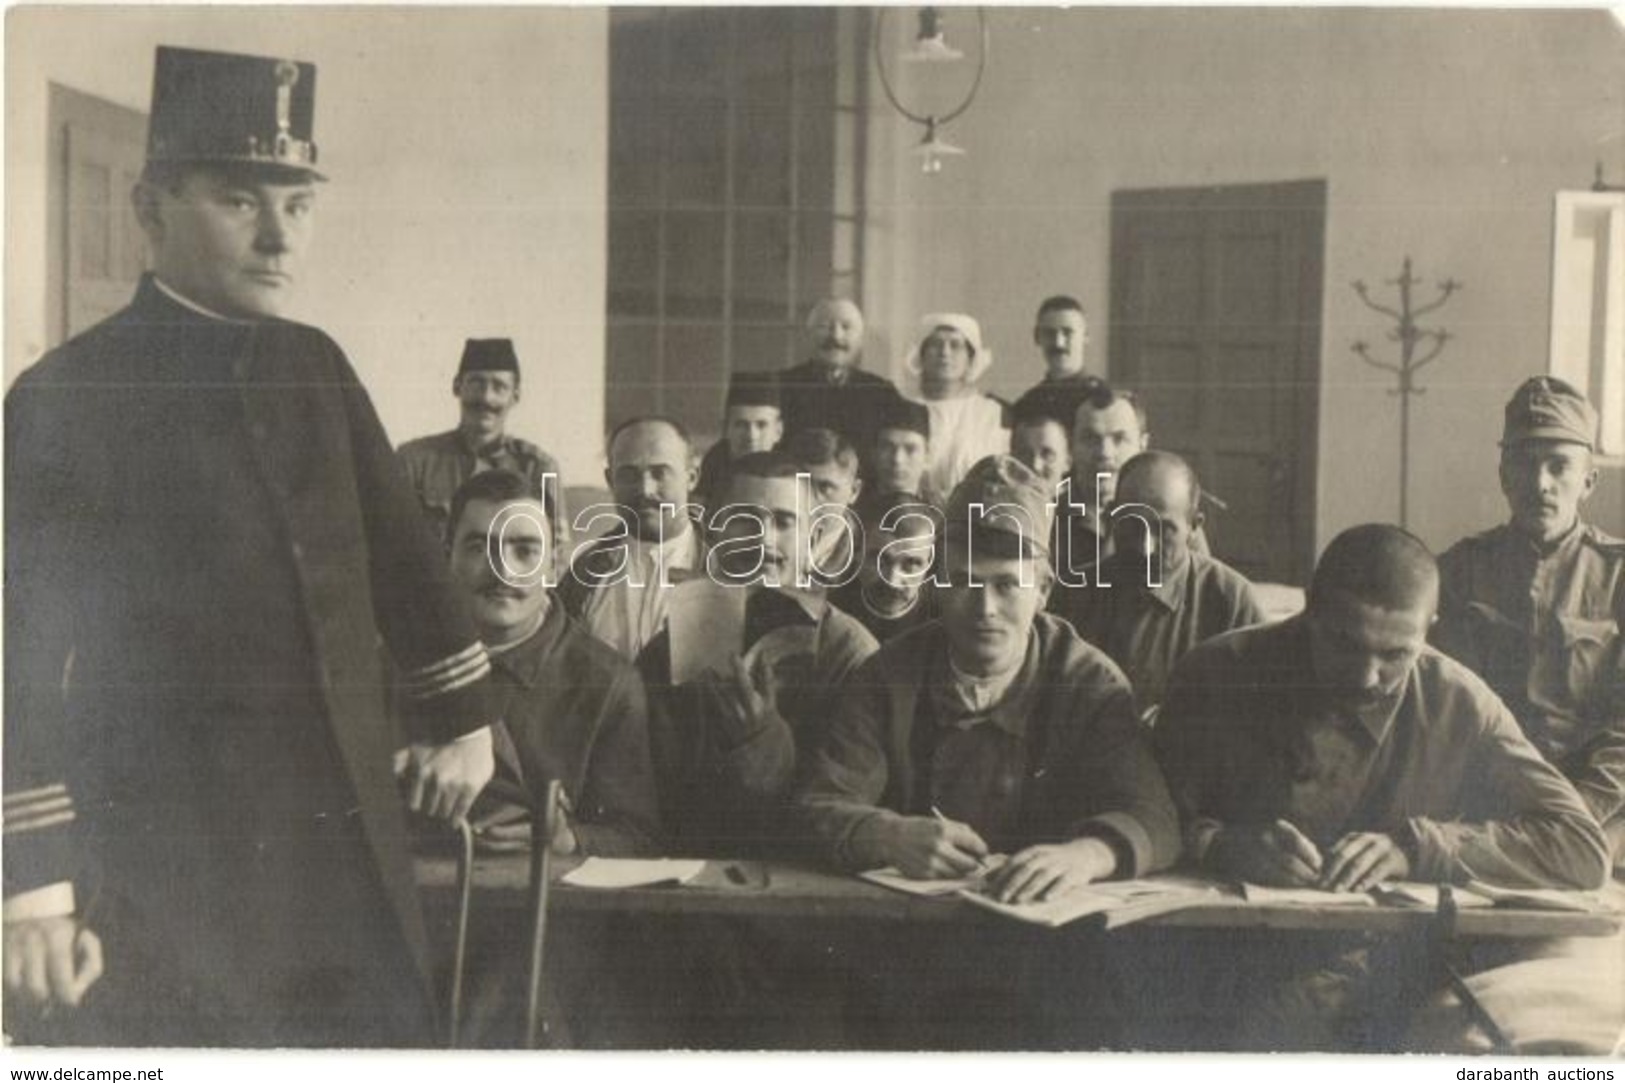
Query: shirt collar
{"x": 496, "y": 446}
{"x": 1009, "y": 713}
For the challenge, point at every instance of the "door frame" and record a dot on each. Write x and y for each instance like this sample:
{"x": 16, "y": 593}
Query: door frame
{"x": 1303, "y": 197}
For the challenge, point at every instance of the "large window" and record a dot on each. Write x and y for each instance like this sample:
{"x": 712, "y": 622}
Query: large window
{"x": 735, "y": 144}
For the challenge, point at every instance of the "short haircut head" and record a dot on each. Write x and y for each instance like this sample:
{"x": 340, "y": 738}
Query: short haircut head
{"x": 1103, "y": 396}
{"x": 491, "y": 487}
{"x": 1059, "y": 303}
{"x": 815, "y": 447}
{"x": 648, "y": 419}
{"x": 908, "y": 513}
{"x": 1149, "y": 466}
{"x": 766, "y": 464}
{"x": 1377, "y": 564}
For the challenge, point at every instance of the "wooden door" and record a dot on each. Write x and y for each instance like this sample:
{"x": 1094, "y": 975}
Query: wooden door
{"x": 98, "y": 251}
{"x": 1215, "y": 321}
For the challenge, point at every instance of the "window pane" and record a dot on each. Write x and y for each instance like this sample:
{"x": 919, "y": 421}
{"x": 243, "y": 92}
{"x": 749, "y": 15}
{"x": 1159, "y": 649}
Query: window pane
{"x": 697, "y": 168}
{"x": 634, "y": 252}
{"x": 761, "y": 265}
{"x": 695, "y": 376}
{"x": 694, "y": 264}
{"x": 632, "y": 383}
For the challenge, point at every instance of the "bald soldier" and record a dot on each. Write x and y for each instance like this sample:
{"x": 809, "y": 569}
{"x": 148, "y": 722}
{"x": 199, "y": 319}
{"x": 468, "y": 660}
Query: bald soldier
{"x": 1155, "y": 598}
{"x": 1337, "y": 750}
{"x": 831, "y": 389}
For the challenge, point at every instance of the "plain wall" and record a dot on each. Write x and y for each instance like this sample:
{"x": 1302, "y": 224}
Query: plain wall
{"x": 467, "y": 151}
{"x": 1442, "y": 134}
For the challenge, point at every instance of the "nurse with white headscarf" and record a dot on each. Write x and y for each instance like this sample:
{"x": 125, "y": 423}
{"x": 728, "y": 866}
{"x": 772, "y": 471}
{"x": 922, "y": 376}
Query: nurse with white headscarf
{"x": 966, "y": 424}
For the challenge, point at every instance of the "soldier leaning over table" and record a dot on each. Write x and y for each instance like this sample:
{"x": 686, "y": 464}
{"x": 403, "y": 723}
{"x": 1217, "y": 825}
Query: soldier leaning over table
{"x": 1337, "y": 750}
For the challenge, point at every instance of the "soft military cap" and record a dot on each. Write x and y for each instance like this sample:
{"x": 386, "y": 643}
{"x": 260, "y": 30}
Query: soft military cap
{"x": 230, "y": 109}
{"x": 1546, "y": 408}
{"x": 1013, "y": 503}
{"x": 489, "y": 355}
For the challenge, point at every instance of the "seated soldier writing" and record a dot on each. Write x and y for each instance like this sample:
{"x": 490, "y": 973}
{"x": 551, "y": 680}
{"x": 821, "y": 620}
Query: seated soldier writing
{"x": 993, "y": 729}
{"x": 1336, "y": 750}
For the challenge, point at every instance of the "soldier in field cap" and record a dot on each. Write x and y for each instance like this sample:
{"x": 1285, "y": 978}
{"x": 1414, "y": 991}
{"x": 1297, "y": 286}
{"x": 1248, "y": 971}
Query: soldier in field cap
{"x": 487, "y": 389}
{"x": 1535, "y": 607}
{"x": 206, "y": 535}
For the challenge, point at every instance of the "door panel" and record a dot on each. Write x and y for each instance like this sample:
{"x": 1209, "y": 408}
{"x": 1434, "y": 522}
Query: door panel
{"x": 1215, "y": 320}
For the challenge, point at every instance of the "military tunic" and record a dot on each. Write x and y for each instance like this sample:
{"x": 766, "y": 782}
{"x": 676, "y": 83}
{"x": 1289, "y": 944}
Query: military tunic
{"x": 438, "y": 465}
{"x": 1543, "y": 630}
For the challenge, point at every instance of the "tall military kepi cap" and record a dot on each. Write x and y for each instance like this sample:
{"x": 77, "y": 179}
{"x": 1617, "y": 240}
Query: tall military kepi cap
{"x": 1546, "y": 408}
{"x": 229, "y": 109}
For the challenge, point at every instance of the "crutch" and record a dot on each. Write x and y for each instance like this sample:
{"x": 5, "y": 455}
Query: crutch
{"x": 544, "y": 821}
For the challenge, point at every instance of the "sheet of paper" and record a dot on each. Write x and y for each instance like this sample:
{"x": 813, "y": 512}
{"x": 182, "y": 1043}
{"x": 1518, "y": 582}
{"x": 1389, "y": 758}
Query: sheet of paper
{"x": 1539, "y": 898}
{"x": 1411, "y": 893}
{"x": 707, "y": 626}
{"x": 893, "y": 878}
{"x": 617, "y": 872}
{"x": 1122, "y": 902}
{"x": 1303, "y": 896}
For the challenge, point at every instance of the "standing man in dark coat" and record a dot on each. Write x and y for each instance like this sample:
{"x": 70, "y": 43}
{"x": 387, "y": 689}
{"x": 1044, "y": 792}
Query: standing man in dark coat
{"x": 206, "y": 533}
{"x": 831, "y": 389}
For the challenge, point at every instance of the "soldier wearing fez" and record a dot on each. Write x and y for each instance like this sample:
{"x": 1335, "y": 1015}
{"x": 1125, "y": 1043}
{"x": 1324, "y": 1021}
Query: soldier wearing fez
{"x": 206, "y": 533}
{"x": 487, "y": 388}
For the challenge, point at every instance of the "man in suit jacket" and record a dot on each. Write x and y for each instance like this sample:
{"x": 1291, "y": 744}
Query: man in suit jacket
{"x": 206, "y": 533}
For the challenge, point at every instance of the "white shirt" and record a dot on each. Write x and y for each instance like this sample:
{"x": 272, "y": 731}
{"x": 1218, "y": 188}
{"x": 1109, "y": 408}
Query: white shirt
{"x": 631, "y": 610}
{"x": 964, "y": 430}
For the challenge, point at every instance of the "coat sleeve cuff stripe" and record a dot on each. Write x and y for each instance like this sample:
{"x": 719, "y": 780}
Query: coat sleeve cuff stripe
{"x": 37, "y": 823}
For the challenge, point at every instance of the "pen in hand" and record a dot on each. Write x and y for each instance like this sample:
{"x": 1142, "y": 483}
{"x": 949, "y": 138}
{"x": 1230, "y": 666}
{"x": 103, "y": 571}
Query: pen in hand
{"x": 983, "y": 865}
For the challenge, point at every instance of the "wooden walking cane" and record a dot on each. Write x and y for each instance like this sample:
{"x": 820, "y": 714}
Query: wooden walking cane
{"x": 544, "y": 821}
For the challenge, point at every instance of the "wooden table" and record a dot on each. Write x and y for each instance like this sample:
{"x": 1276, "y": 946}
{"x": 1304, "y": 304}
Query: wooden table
{"x": 823, "y": 908}
{"x": 792, "y": 892}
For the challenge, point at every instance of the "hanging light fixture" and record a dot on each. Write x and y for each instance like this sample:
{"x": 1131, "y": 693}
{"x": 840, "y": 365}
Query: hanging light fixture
{"x": 931, "y": 47}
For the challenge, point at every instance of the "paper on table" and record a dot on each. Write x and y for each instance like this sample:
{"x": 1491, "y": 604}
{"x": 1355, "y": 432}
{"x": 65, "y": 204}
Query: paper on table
{"x": 894, "y": 878}
{"x": 1121, "y": 901}
{"x": 1538, "y": 898}
{"x": 625, "y": 872}
{"x": 1411, "y": 893}
{"x": 1303, "y": 896}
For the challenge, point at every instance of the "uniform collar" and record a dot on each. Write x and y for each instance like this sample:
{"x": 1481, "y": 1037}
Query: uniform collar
{"x": 523, "y": 660}
{"x": 1010, "y": 713}
{"x": 186, "y": 302}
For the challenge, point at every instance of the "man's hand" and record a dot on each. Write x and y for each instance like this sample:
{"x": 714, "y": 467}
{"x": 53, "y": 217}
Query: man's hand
{"x": 508, "y": 829}
{"x": 1361, "y": 861}
{"x": 927, "y": 848}
{"x": 744, "y": 702}
{"x": 1276, "y": 855}
{"x": 443, "y": 780}
{"x": 1044, "y": 872}
{"x": 51, "y": 960}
